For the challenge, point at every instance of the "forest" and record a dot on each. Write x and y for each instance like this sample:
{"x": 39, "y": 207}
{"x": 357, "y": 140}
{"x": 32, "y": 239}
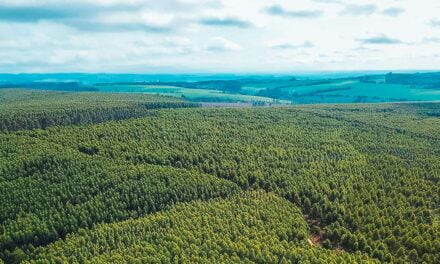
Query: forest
{"x": 91, "y": 177}
{"x": 29, "y": 109}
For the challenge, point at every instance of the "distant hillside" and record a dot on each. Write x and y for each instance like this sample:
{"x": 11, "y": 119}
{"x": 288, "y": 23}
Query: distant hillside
{"x": 52, "y": 86}
{"x": 430, "y": 79}
{"x": 258, "y": 89}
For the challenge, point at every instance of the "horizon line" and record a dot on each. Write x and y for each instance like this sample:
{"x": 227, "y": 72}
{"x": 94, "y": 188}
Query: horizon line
{"x": 229, "y": 73}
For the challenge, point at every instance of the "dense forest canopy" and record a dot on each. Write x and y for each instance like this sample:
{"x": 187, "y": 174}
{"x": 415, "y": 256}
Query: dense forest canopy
{"x": 28, "y": 109}
{"x": 354, "y": 183}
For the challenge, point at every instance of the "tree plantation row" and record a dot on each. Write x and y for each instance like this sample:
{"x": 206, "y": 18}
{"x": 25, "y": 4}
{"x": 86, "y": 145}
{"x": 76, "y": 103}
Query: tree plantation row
{"x": 253, "y": 227}
{"x": 30, "y": 109}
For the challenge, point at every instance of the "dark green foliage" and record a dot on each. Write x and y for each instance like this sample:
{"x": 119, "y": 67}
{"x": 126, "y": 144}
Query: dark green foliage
{"x": 228, "y": 86}
{"x": 365, "y": 178}
{"x": 52, "y": 192}
{"x": 367, "y": 174}
{"x": 27, "y": 109}
{"x": 258, "y": 103}
{"x": 52, "y": 86}
{"x": 250, "y": 228}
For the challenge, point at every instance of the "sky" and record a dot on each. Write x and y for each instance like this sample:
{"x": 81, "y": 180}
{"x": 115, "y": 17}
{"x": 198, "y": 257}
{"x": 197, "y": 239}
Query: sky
{"x": 218, "y": 36}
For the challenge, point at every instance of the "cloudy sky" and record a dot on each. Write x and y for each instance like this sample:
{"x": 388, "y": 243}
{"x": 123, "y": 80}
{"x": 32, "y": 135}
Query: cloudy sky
{"x": 243, "y": 36}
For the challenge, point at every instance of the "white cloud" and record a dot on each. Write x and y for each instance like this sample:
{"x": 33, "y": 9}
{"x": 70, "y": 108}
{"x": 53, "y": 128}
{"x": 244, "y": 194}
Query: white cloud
{"x": 359, "y": 10}
{"x": 219, "y": 44}
{"x": 288, "y": 45}
{"x": 143, "y": 17}
{"x": 393, "y": 11}
{"x": 216, "y": 35}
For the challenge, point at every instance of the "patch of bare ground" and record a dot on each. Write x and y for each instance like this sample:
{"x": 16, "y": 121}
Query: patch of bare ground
{"x": 316, "y": 231}
{"x": 315, "y": 239}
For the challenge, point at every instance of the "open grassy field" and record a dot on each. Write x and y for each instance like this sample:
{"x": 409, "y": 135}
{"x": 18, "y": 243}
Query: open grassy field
{"x": 366, "y": 89}
{"x": 273, "y": 90}
{"x": 199, "y": 95}
{"x": 350, "y": 90}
